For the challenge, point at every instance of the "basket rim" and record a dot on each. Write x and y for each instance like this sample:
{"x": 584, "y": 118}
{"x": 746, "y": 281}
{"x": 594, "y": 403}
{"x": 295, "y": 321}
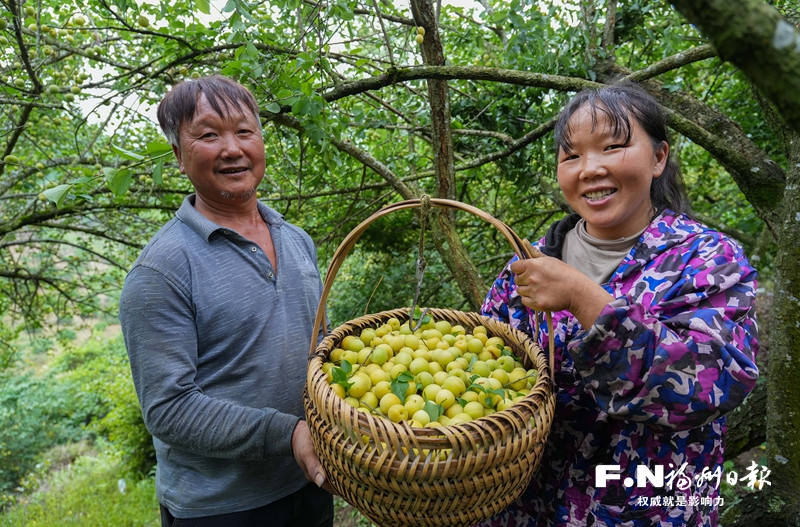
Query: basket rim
{"x": 538, "y": 395}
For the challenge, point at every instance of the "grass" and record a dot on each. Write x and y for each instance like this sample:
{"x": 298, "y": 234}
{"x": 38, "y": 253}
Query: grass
{"x": 86, "y": 494}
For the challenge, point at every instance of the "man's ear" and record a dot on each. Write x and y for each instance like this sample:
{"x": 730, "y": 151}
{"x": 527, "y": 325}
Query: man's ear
{"x": 177, "y": 152}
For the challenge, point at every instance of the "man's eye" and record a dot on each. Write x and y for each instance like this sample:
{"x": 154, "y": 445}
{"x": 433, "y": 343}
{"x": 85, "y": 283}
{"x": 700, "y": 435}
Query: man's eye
{"x": 208, "y": 135}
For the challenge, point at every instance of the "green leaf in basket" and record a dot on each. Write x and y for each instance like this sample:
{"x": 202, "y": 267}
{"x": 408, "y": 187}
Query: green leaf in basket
{"x": 400, "y": 385}
{"x": 426, "y": 319}
{"x": 472, "y": 363}
{"x": 340, "y": 375}
{"x": 346, "y": 366}
{"x": 506, "y": 351}
{"x": 433, "y": 410}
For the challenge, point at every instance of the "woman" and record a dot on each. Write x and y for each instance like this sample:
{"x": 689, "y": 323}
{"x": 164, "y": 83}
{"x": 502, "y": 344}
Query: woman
{"x": 654, "y": 327}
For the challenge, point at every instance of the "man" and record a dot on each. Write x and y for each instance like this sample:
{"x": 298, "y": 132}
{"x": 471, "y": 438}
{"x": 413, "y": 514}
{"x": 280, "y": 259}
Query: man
{"x": 217, "y": 315}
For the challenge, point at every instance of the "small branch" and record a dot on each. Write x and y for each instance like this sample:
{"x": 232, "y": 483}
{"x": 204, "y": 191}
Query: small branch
{"x": 674, "y": 62}
{"x": 516, "y": 77}
{"x": 93, "y": 232}
{"x": 385, "y": 34}
{"x": 62, "y": 242}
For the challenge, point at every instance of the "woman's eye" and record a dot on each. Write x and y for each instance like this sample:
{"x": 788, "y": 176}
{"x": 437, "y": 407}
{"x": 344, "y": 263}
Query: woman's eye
{"x": 614, "y": 147}
{"x": 568, "y": 157}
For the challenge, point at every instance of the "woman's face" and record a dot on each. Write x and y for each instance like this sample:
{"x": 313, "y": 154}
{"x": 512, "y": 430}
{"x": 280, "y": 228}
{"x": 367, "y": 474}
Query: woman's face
{"x": 608, "y": 181}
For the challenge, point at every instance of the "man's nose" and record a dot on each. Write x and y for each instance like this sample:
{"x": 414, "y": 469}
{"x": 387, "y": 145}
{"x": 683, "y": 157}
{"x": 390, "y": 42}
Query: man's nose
{"x": 231, "y": 146}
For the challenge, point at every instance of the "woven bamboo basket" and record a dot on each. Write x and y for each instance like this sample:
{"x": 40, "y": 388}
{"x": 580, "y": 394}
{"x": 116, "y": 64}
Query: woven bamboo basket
{"x": 396, "y": 475}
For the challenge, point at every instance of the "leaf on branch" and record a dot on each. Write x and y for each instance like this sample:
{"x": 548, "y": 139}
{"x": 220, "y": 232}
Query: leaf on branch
{"x": 203, "y": 6}
{"x": 158, "y": 170}
{"x": 58, "y": 194}
{"x": 127, "y": 154}
{"x": 118, "y": 180}
{"x": 273, "y": 107}
{"x": 157, "y": 148}
{"x": 82, "y": 180}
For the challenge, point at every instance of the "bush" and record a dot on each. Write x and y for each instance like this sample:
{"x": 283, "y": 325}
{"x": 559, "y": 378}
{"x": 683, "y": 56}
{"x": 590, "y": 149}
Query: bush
{"x": 99, "y": 375}
{"x": 87, "y": 494}
{"x": 87, "y": 393}
{"x": 35, "y": 414}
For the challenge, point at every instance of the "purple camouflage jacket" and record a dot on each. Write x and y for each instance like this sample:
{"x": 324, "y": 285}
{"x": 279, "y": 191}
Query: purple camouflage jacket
{"x": 648, "y": 384}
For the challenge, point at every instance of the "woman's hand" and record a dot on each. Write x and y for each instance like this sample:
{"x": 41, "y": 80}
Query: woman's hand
{"x": 548, "y": 284}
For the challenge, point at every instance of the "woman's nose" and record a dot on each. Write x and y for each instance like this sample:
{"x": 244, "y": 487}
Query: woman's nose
{"x": 592, "y": 166}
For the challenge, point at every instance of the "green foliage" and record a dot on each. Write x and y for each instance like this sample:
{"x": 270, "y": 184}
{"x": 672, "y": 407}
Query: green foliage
{"x": 87, "y": 392}
{"x": 99, "y": 375}
{"x": 35, "y": 414}
{"x": 87, "y": 495}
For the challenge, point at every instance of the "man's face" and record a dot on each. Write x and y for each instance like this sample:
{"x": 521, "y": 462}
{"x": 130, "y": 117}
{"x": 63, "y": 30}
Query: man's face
{"x": 222, "y": 157}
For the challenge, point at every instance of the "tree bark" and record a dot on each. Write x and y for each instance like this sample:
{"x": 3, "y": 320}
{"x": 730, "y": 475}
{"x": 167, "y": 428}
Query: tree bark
{"x": 445, "y": 237}
{"x": 783, "y": 400}
{"x": 763, "y": 45}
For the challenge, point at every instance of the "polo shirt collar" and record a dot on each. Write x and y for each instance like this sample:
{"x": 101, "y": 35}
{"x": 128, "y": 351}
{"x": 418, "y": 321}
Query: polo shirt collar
{"x": 205, "y": 227}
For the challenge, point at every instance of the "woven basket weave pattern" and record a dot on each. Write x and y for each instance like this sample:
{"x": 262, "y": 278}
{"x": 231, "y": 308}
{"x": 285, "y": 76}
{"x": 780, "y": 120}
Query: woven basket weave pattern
{"x": 401, "y": 476}
{"x": 491, "y": 459}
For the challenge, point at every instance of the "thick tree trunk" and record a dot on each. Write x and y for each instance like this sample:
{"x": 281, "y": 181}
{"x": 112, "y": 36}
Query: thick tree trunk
{"x": 445, "y": 236}
{"x": 783, "y": 400}
{"x": 753, "y": 36}
{"x": 779, "y": 503}
{"x": 747, "y": 424}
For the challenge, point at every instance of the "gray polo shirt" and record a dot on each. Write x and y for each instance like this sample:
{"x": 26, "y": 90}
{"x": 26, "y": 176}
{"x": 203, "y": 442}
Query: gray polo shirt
{"x": 218, "y": 345}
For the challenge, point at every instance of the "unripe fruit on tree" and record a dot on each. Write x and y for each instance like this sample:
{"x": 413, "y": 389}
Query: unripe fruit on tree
{"x": 79, "y": 21}
{"x": 421, "y": 31}
{"x": 39, "y": 166}
{"x": 69, "y": 97}
{"x": 75, "y": 89}
{"x": 52, "y": 89}
{"x": 143, "y": 21}
{"x": 3, "y": 39}
{"x": 11, "y": 159}
{"x": 19, "y": 83}
{"x": 419, "y": 38}
{"x": 3, "y": 24}
{"x": 30, "y": 11}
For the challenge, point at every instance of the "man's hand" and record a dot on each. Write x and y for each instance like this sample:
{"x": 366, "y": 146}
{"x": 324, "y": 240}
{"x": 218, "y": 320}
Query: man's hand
{"x": 303, "y": 450}
{"x": 548, "y": 284}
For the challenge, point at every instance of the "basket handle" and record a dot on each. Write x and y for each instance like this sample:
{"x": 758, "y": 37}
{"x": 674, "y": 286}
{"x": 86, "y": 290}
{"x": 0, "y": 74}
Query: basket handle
{"x": 521, "y": 247}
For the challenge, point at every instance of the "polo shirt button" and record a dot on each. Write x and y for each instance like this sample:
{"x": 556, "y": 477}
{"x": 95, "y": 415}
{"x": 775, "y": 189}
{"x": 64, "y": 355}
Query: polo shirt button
{"x": 226, "y": 231}
{"x": 271, "y": 275}
{"x": 254, "y": 248}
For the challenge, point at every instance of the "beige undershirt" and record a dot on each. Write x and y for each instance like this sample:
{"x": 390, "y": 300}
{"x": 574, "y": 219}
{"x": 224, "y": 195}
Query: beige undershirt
{"x": 596, "y": 258}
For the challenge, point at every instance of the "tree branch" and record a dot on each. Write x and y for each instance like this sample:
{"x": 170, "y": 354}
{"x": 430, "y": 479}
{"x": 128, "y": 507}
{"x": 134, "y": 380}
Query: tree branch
{"x": 759, "y": 41}
{"x": 706, "y": 51}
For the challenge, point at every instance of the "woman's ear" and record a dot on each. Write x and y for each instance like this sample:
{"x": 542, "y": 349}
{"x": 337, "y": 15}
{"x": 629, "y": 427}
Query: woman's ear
{"x": 660, "y": 157}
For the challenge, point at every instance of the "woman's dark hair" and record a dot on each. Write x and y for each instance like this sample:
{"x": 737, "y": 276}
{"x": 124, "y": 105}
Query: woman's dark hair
{"x": 618, "y": 102}
{"x": 180, "y": 103}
